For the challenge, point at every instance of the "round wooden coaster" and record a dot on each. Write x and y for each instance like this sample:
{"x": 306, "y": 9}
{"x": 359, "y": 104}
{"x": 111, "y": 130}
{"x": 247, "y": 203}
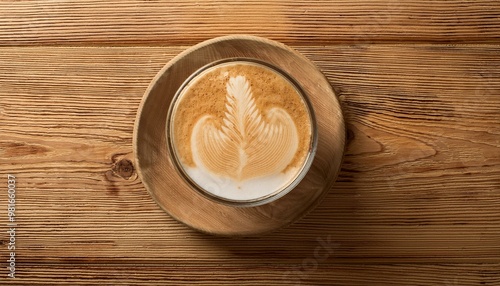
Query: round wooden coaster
{"x": 178, "y": 198}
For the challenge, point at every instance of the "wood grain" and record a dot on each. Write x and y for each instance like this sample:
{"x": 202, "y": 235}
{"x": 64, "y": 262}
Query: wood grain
{"x": 135, "y": 22}
{"x": 416, "y": 202}
{"x": 307, "y": 274}
{"x": 420, "y": 182}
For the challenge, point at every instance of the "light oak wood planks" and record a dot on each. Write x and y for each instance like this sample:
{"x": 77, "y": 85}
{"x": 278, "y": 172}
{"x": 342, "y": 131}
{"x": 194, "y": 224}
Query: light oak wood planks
{"x": 420, "y": 181}
{"x": 97, "y": 22}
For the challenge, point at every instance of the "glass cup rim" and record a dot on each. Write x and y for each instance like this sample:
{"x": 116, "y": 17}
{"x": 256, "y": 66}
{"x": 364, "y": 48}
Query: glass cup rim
{"x": 280, "y": 192}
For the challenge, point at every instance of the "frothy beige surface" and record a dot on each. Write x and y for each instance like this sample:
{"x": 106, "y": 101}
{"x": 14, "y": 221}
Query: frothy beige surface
{"x": 240, "y": 122}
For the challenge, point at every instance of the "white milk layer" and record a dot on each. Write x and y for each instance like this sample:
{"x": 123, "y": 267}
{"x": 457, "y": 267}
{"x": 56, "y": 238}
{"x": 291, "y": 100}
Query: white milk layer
{"x": 252, "y": 189}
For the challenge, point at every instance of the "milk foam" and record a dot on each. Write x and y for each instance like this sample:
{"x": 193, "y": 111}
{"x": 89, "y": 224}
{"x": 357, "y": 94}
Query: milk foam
{"x": 252, "y": 189}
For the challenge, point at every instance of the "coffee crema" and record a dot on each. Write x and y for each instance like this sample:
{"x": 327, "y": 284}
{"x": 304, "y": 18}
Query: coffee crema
{"x": 240, "y": 131}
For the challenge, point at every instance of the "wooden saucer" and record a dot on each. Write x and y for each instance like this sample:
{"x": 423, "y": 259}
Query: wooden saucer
{"x": 178, "y": 198}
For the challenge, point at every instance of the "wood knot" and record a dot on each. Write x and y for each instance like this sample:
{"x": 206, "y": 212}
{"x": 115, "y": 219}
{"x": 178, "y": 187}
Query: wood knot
{"x": 123, "y": 168}
{"x": 349, "y": 135}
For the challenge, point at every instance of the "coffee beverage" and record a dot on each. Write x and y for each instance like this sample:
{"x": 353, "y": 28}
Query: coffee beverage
{"x": 240, "y": 131}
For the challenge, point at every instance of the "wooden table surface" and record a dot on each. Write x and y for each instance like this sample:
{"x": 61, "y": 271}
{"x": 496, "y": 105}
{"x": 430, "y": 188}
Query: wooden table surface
{"x": 417, "y": 201}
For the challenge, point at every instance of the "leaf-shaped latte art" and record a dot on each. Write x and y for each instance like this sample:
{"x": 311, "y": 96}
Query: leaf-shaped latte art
{"x": 250, "y": 143}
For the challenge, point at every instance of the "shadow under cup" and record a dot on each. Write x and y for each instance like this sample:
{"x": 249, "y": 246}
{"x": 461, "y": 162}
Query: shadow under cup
{"x": 241, "y": 132}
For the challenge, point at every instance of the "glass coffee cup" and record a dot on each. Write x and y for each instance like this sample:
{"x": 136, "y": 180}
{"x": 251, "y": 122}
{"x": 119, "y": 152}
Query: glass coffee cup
{"x": 241, "y": 132}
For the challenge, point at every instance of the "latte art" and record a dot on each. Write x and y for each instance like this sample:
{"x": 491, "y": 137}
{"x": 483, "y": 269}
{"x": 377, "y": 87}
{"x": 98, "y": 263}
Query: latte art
{"x": 240, "y": 131}
{"x": 247, "y": 145}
